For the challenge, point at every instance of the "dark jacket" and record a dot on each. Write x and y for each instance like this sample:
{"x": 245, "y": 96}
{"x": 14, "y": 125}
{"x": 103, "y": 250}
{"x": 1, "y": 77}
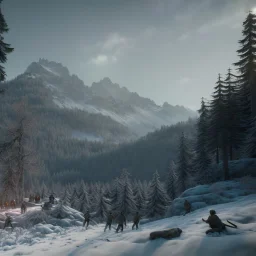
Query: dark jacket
{"x": 109, "y": 218}
{"x": 87, "y": 216}
{"x": 136, "y": 218}
{"x": 214, "y": 221}
{"x": 121, "y": 219}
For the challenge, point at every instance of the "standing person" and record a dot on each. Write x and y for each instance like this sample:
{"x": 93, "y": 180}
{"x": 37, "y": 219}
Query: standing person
{"x": 87, "y": 217}
{"x": 187, "y": 206}
{"x": 51, "y": 199}
{"x": 23, "y": 208}
{"x": 109, "y": 221}
{"x": 136, "y": 221}
{"x": 121, "y": 222}
{"x": 8, "y": 222}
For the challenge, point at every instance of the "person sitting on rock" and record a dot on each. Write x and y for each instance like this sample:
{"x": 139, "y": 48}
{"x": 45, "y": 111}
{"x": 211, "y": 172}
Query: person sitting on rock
{"x": 214, "y": 222}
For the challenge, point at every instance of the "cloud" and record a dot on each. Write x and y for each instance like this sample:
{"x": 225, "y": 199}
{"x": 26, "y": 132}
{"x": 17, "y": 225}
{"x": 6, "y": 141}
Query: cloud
{"x": 183, "y": 37}
{"x": 100, "y": 60}
{"x": 184, "y": 80}
{"x": 110, "y": 49}
{"x": 114, "y": 41}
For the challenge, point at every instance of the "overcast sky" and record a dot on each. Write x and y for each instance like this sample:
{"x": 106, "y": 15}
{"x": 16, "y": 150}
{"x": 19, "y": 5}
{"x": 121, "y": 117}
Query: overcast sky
{"x": 167, "y": 50}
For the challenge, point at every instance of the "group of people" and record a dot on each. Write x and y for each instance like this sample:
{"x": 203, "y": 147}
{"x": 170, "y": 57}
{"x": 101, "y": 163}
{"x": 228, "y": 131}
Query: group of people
{"x": 8, "y": 204}
{"x": 121, "y": 221}
{"x": 34, "y": 199}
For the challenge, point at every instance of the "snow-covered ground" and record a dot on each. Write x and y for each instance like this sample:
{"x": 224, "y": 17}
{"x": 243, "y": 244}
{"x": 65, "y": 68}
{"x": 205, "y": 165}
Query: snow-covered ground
{"x": 51, "y": 239}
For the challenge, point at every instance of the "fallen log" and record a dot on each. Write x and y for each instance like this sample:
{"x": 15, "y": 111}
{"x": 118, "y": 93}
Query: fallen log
{"x": 167, "y": 234}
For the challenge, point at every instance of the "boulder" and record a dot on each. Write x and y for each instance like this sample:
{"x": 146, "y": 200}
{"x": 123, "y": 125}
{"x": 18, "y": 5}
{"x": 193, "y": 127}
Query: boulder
{"x": 167, "y": 234}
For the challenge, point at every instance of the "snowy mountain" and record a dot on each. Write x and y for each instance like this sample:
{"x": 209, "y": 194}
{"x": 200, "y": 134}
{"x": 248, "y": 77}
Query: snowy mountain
{"x": 140, "y": 115}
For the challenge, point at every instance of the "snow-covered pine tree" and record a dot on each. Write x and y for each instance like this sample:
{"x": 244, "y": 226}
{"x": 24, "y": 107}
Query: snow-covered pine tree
{"x": 158, "y": 200}
{"x": 139, "y": 198}
{"x": 247, "y": 70}
{"x": 125, "y": 202}
{"x": 84, "y": 202}
{"x": 171, "y": 181}
{"x": 74, "y": 201}
{"x": 66, "y": 197}
{"x": 102, "y": 206}
{"x": 114, "y": 193}
{"x": 43, "y": 193}
{"x": 4, "y": 47}
{"x": 183, "y": 165}
{"x": 202, "y": 159}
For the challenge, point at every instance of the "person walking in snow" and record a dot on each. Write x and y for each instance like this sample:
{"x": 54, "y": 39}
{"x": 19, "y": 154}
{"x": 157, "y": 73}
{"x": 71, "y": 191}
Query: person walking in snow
{"x": 8, "y": 222}
{"x": 23, "y": 208}
{"x": 109, "y": 221}
{"x": 87, "y": 217}
{"x": 136, "y": 221}
{"x": 121, "y": 222}
{"x": 214, "y": 222}
{"x": 187, "y": 207}
{"x": 51, "y": 199}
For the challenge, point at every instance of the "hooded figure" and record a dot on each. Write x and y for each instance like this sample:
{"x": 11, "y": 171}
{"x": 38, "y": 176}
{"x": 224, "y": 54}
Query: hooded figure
{"x": 87, "y": 217}
{"x": 109, "y": 221}
{"x": 214, "y": 222}
{"x": 136, "y": 220}
{"x": 121, "y": 222}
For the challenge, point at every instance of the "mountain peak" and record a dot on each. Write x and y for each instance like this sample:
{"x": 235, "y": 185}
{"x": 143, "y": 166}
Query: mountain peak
{"x": 46, "y": 67}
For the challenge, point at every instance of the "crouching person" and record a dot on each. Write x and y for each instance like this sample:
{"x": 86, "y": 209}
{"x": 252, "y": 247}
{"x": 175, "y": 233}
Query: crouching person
{"x": 214, "y": 222}
{"x": 121, "y": 222}
{"x": 136, "y": 221}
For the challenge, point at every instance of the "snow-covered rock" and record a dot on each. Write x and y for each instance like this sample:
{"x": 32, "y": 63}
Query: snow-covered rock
{"x": 216, "y": 193}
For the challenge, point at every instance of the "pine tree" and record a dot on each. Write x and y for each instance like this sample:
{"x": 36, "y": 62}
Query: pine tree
{"x": 232, "y": 110}
{"x": 158, "y": 199}
{"x": 183, "y": 164}
{"x": 170, "y": 183}
{"x": 114, "y": 193}
{"x": 139, "y": 198}
{"x": 83, "y": 202}
{"x": 43, "y": 193}
{"x": 4, "y": 47}
{"x": 66, "y": 197}
{"x": 102, "y": 206}
{"x": 202, "y": 159}
{"x": 74, "y": 202}
{"x": 247, "y": 69}
{"x": 217, "y": 118}
{"x": 125, "y": 202}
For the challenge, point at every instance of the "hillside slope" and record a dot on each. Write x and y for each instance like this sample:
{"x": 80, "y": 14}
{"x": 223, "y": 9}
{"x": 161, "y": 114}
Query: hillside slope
{"x": 61, "y": 239}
